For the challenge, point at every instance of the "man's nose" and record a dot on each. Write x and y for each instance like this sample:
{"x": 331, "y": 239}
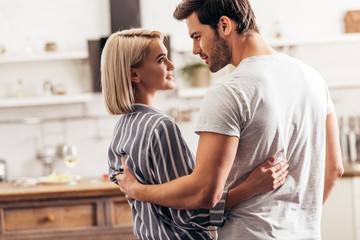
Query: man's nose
{"x": 196, "y": 48}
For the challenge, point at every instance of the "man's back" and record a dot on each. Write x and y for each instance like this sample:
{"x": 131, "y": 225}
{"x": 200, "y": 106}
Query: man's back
{"x": 273, "y": 103}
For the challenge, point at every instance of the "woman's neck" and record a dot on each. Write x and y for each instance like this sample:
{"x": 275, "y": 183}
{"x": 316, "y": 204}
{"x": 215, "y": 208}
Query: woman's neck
{"x": 145, "y": 98}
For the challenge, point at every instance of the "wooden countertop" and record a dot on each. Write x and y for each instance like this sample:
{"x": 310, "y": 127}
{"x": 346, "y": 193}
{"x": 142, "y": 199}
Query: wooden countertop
{"x": 349, "y": 173}
{"x": 84, "y": 188}
{"x": 351, "y": 169}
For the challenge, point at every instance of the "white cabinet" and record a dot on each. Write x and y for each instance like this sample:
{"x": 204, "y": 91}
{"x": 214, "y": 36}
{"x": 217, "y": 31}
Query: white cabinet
{"x": 22, "y": 61}
{"x": 45, "y": 56}
{"x": 341, "y": 39}
{"x": 312, "y": 52}
{"x": 335, "y": 57}
{"x": 341, "y": 218}
{"x": 45, "y": 100}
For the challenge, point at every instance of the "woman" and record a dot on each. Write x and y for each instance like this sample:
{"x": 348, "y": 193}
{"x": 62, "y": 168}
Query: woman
{"x": 134, "y": 66}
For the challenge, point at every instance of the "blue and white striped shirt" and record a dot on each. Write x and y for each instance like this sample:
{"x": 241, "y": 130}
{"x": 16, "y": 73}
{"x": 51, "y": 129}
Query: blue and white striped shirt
{"x": 156, "y": 153}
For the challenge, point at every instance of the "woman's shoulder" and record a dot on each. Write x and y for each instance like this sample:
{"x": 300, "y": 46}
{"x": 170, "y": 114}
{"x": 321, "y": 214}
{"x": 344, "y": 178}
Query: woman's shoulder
{"x": 151, "y": 117}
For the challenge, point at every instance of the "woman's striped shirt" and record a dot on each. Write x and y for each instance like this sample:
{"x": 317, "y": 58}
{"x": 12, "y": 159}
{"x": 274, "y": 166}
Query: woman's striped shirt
{"x": 155, "y": 153}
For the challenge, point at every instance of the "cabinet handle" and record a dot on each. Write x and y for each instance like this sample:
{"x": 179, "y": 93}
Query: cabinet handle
{"x": 50, "y": 217}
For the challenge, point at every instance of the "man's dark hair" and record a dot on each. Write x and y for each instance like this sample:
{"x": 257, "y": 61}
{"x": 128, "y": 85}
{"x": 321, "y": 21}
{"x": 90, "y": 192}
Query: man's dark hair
{"x": 210, "y": 11}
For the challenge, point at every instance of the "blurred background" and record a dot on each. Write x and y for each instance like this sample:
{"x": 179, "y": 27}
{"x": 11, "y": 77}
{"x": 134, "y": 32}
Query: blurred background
{"x": 50, "y": 98}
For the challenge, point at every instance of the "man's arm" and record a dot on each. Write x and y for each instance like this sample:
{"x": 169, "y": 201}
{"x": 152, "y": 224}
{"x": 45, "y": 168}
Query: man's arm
{"x": 204, "y": 187}
{"x": 333, "y": 162}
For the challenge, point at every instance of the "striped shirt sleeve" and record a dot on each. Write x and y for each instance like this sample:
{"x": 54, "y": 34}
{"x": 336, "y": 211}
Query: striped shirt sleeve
{"x": 171, "y": 158}
{"x": 114, "y": 160}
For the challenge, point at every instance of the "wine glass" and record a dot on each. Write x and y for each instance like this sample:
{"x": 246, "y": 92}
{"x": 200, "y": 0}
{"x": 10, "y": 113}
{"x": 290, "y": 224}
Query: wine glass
{"x": 70, "y": 155}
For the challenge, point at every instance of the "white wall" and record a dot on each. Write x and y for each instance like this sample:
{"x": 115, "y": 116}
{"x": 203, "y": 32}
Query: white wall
{"x": 296, "y": 20}
{"x": 70, "y": 23}
{"x": 25, "y": 26}
{"x": 302, "y": 19}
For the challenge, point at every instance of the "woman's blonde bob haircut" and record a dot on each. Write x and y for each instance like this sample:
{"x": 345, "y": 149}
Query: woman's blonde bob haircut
{"x": 123, "y": 50}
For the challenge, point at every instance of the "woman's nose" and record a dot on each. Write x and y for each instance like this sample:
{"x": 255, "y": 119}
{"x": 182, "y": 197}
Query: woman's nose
{"x": 171, "y": 66}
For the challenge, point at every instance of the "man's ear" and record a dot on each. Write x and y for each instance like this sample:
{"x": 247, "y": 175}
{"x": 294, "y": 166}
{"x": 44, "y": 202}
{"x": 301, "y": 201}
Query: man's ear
{"x": 224, "y": 25}
{"x": 134, "y": 75}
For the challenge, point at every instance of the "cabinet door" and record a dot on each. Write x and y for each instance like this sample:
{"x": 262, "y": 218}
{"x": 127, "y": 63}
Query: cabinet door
{"x": 55, "y": 217}
{"x": 338, "y": 212}
{"x": 356, "y": 199}
{"x": 121, "y": 212}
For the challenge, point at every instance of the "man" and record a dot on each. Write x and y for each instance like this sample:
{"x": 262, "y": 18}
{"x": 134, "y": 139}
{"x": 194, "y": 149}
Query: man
{"x": 271, "y": 102}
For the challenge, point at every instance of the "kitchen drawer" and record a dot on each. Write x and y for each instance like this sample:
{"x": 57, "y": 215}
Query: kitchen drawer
{"x": 121, "y": 214}
{"x": 69, "y": 216}
{"x": 96, "y": 211}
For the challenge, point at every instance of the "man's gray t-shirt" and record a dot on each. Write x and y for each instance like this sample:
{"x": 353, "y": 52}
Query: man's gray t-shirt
{"x": 273, "y": 102}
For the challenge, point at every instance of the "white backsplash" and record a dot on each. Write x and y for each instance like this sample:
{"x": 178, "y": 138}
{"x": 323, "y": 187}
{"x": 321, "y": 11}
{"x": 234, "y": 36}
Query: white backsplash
{"x": 87, "y": 125}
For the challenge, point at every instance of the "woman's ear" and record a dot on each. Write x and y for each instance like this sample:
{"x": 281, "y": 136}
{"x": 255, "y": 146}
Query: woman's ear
{"x": 224, "y": 25}
{"x": 134, "y": 75}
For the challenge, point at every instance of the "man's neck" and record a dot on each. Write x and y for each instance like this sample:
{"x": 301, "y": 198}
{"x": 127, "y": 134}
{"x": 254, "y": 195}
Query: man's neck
{"x": 249, "y": 45}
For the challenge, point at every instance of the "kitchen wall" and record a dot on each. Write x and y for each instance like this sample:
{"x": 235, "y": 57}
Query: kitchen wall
{"x": 25, "y": 26}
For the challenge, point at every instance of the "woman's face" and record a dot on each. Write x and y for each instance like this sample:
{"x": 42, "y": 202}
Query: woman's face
{"x": 156, "y": 72}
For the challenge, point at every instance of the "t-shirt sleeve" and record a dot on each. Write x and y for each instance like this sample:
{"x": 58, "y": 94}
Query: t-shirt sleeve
{"x": 221, "y": 111}
{"x": 330, "y": 105}
{"x": 171, "y": 158}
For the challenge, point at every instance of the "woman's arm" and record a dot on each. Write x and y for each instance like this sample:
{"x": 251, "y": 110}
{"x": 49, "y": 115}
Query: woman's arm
{"x": 262, "y": 179}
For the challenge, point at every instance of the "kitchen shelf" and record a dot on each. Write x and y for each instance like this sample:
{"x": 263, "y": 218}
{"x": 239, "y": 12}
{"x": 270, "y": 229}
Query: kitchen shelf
{"x": 290, "y": 43}
{"x": 46, "y": 56}
{"x": 344, "y": 38}
{"x": 45, "y": 100}
{"x": 200, "y": 92}
{"x": 343, "y": 85}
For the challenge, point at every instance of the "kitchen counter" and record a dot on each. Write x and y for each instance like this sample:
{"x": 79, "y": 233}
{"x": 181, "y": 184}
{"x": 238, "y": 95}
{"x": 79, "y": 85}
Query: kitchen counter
{"x": 351, "y": 170}
{"x": 351, "y": 173}
{"x": 91, "y": 209}
{"x": 84, "y": 188}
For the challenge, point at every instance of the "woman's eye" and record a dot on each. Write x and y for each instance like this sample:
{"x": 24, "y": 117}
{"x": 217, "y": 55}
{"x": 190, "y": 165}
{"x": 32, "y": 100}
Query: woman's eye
{"x": 161, "y": 60}
{"x": 197, "y": 38}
